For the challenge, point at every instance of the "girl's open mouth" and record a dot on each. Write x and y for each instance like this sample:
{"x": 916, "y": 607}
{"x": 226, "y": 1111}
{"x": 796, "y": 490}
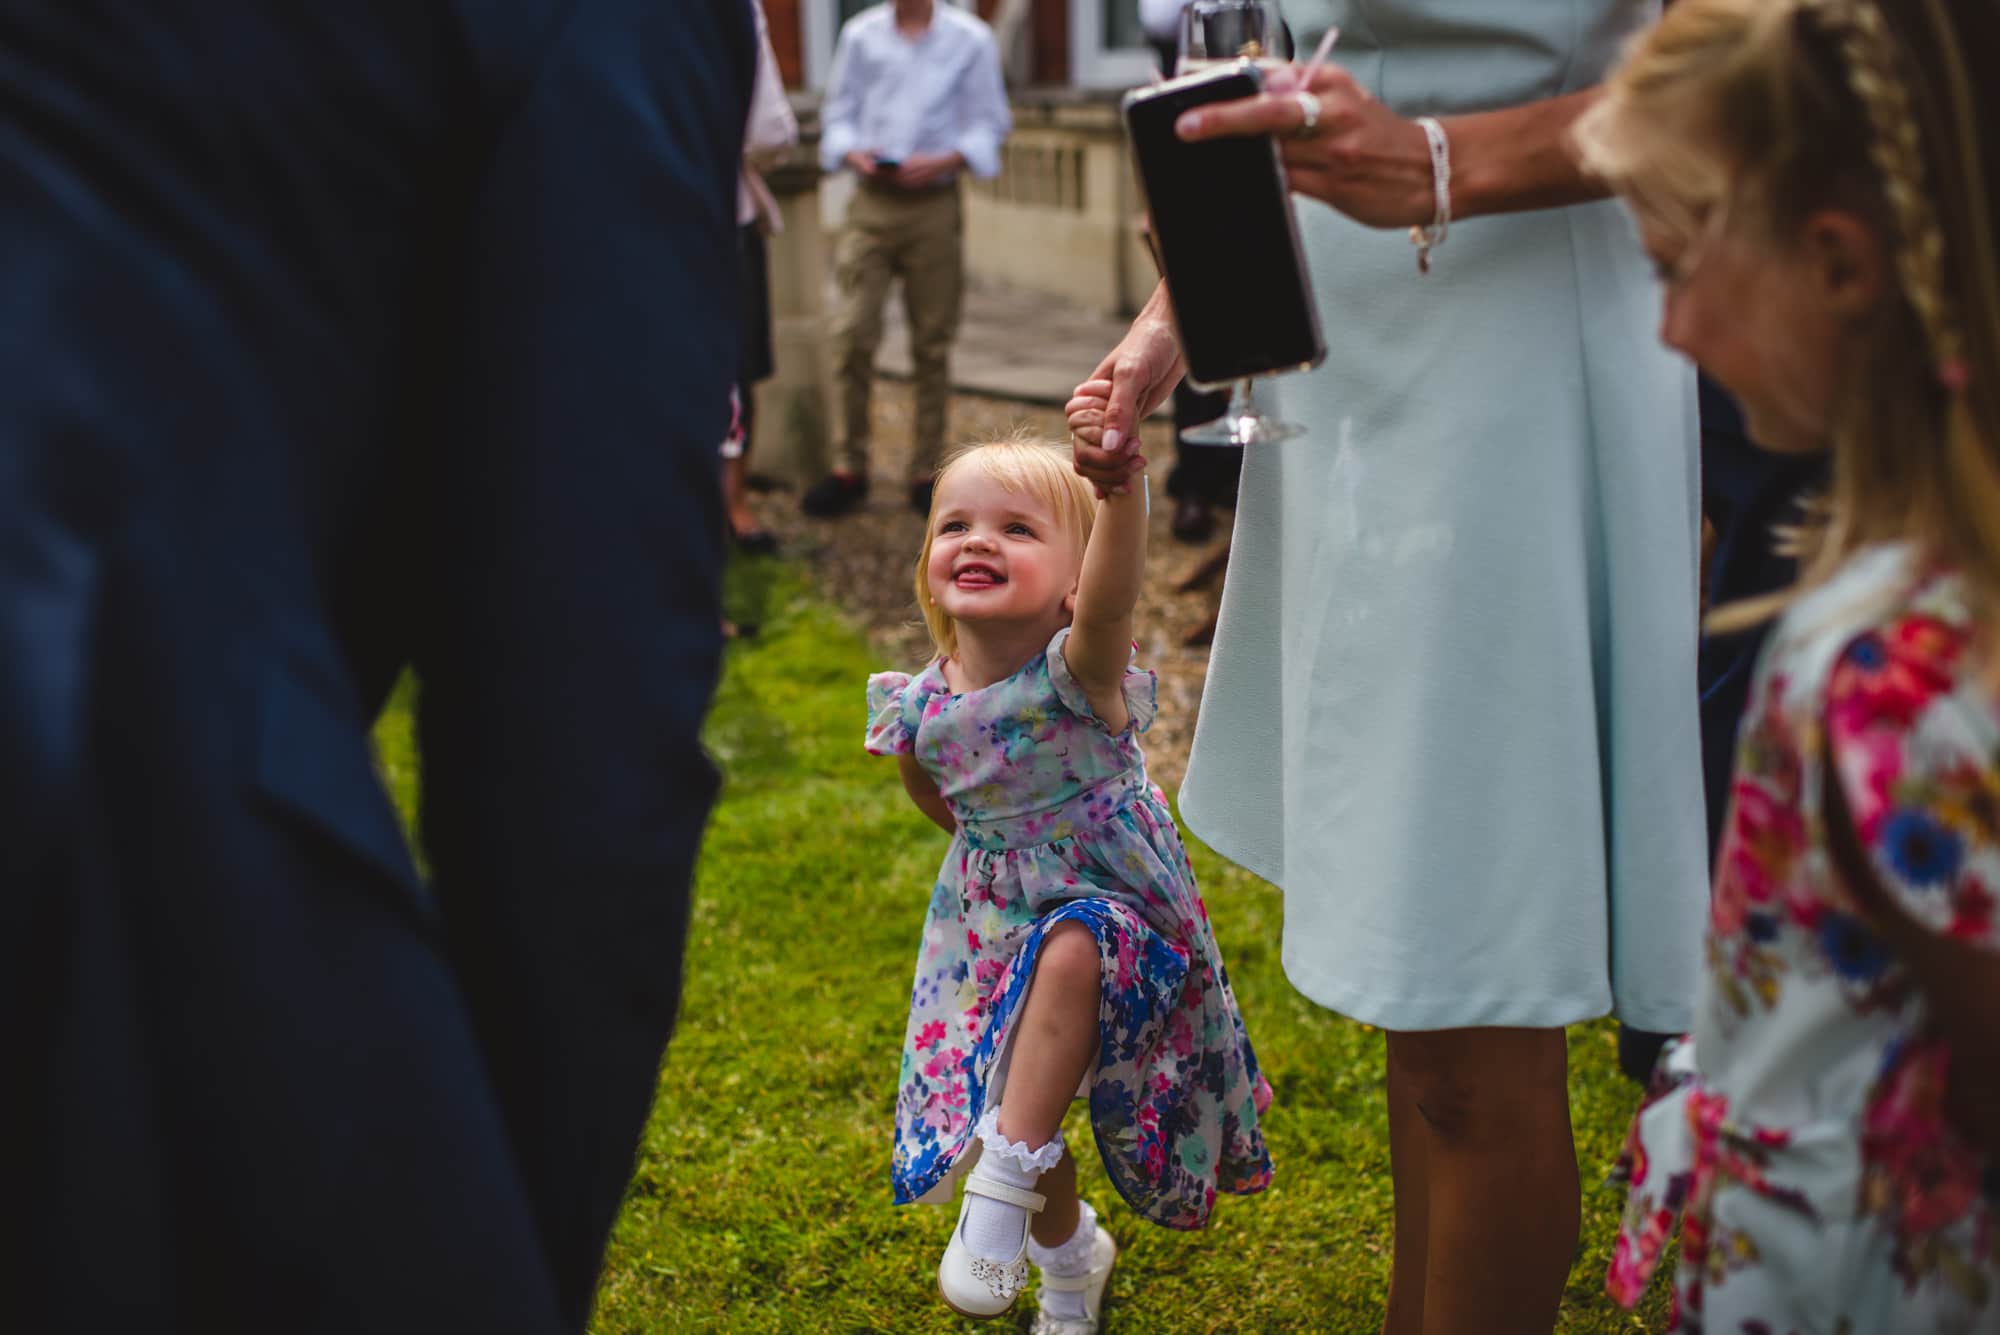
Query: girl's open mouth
{"x": 977, "y": 577}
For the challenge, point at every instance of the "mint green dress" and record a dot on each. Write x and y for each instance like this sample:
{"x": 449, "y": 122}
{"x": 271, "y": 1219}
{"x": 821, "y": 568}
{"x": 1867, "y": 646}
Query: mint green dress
{"x": 1451, "y": 706}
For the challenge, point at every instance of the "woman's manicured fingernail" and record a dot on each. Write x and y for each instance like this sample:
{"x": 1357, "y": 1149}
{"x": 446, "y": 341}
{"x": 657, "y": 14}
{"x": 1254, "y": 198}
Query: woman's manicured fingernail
{"x": 1190, "y": 124}
{"x": 1110, "y": 442}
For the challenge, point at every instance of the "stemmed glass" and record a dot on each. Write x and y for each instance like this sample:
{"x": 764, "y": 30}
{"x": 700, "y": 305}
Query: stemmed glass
{"x": 1214, "y": 32}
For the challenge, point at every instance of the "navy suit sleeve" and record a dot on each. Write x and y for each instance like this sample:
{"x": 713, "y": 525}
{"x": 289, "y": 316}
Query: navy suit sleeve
{"x": 573, "y": 611}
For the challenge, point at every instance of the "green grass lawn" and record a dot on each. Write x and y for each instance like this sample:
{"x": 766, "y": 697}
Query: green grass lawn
{"x": 761, "y": 1200}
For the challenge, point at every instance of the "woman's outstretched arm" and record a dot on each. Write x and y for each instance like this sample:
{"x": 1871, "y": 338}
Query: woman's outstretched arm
{"x": 1375, "y": 166}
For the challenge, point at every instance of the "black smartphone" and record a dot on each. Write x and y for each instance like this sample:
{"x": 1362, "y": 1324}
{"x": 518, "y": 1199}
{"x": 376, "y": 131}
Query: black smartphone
{"x": 887, "y": 164}
{"x": 1226, "y": 238}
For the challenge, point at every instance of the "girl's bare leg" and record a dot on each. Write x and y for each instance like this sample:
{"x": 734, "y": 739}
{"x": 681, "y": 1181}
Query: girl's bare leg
{"x": 735, "y": 495}
{"x": 1054, "y": 1041}
{"x": 1058, "y": 1219}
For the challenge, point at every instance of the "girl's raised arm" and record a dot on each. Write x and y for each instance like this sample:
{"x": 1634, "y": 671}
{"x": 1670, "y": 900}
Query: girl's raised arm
{"x": 1100, "y": 638}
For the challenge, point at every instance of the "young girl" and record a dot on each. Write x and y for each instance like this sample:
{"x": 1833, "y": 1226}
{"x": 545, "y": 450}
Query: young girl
{"x": 1067, "y": 950}
{"x": 1817, "y": 182}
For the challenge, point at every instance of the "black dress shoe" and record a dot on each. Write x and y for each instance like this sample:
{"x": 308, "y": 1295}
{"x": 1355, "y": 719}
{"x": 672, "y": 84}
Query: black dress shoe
{"x": 920, "y": 495}
{"x": 834, "y": 494}
{"x": 1193, "y": 520}
{"x": 756, "y": 542}
{"x": 1639, "y": 1053}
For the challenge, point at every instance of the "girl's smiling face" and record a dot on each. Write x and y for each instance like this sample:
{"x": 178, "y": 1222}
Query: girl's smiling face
{"x": 998, "y": 555}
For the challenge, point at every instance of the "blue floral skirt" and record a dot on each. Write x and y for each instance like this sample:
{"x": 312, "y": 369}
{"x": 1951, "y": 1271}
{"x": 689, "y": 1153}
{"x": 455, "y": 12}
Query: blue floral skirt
{"x": 1175, "y": 1097}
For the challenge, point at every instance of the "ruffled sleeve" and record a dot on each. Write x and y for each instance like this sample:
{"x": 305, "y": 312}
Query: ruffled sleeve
{"x": 1141, "y": 688}
{"x": 892, "y": 730}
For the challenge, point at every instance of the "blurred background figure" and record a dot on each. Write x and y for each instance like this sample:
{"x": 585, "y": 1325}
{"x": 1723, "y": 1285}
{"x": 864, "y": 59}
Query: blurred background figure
{"x": 772, "y": 129}
{"x": 345, "y": 341}
{"x": 914, "y": 100}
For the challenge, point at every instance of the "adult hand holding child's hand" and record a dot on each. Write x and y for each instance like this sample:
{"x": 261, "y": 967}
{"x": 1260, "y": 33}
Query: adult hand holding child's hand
{"x": 1110, "y": 471}
{"x": 1104, "y": 414}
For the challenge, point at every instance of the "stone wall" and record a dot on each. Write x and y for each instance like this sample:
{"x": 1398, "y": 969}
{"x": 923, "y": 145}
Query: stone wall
{"x": 795, "y": 407}
{"x": 1062, "y": 216}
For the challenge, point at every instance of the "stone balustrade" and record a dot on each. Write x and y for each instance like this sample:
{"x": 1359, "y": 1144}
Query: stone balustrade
{"x": 1061, "y": 218}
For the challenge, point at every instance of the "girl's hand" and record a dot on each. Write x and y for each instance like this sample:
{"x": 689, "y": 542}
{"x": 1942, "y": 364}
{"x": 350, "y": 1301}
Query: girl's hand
{"x": 1131, "y": 381}
{"x": 1363, "y": 159}
{"x": 1112, "y": 472}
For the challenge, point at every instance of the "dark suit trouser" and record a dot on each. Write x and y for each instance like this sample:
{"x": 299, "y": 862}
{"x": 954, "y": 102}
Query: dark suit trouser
{"x": 342, "y": 341}
{"x": 1746, "y": 493}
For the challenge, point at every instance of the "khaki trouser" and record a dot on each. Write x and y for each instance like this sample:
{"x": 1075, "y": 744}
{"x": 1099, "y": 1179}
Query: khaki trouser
{"x": 917, "y": 236}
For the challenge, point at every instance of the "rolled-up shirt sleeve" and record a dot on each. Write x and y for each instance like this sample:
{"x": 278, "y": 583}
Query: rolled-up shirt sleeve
{"x": 984, "y": 120}
{"x": 840, "y": 112}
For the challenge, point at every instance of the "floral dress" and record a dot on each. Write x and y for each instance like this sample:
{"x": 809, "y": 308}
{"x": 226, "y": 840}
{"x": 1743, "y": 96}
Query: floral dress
{"x": 1800, "y": 1135}
{"x": 1057, "y": 823}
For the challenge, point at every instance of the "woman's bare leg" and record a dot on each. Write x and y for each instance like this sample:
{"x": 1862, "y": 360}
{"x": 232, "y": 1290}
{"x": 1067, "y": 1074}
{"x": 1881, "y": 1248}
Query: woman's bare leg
{"x": 1502, "y": 1212}
{"x": 1409, "y": 1172}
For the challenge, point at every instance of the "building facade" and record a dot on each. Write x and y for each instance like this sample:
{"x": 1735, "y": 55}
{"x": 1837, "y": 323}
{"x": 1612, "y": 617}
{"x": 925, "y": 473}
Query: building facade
{"x": 1090, "y": 44}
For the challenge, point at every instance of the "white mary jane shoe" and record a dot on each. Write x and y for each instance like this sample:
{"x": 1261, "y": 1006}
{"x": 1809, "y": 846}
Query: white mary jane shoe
{"x": 1091, "y": 1284}
{"x": 974, "y": 1286}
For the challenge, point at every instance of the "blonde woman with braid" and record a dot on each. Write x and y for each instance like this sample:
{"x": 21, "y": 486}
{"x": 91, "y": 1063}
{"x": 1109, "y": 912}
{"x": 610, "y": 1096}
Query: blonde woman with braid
{"x": 1819, "y": 183}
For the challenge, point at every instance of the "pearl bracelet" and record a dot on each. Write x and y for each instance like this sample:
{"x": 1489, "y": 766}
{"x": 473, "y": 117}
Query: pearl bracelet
{"x": 1425, "y": 239}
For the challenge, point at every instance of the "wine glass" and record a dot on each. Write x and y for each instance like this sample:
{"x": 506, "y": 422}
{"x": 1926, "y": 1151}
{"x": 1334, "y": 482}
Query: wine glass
{"x": 1215, "y": 32}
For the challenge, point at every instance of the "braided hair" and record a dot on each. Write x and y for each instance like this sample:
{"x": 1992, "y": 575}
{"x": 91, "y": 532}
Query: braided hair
{"x": 1876, "y": 75}
{"x": 1764, "y": 113}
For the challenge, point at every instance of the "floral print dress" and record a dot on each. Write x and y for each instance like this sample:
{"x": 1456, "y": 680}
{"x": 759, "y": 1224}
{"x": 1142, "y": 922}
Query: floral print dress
{"x": 1800, "y": 1136}
{"x": 1057, "y": 823}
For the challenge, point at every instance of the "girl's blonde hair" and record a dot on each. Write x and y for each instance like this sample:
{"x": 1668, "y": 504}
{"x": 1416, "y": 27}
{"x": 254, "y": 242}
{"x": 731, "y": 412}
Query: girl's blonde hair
{"x": 1023, "y": 465}
{"x": 1754, "y": 114}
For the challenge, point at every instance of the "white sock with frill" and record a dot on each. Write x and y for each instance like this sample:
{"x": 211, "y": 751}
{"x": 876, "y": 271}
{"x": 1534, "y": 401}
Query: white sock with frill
{"x": 993, "y": 1228}
{"x": 1067, "y": 1260}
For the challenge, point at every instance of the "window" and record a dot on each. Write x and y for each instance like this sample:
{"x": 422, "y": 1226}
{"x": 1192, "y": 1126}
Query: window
{"x": 1121, "y": 25}
{"x": 1108, "y": 48}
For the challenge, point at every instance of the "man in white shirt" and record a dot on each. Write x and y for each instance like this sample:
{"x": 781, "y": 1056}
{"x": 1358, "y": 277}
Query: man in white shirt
{"x": 915, "y": 100}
